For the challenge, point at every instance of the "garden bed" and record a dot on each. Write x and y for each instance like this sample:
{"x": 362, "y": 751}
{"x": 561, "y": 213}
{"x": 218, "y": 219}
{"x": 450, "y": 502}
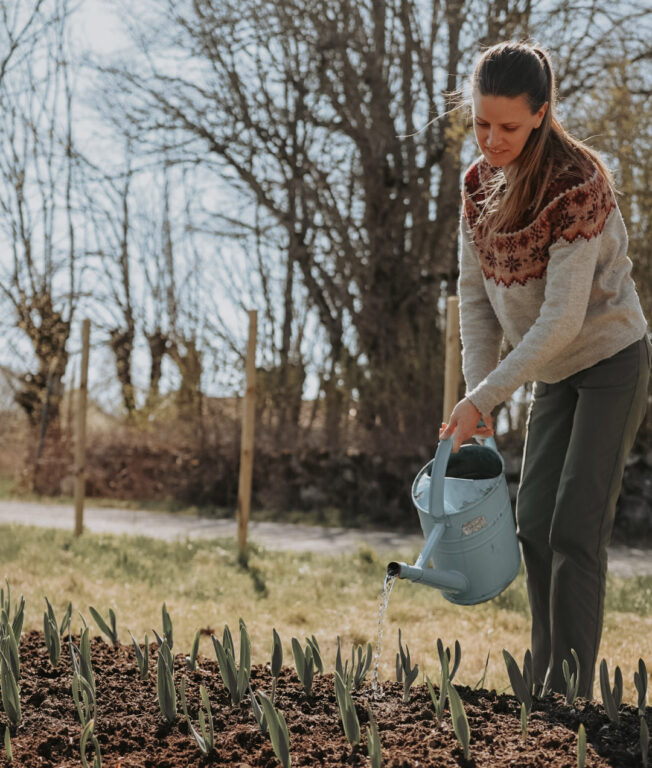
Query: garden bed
{"x": 132, "y": 732}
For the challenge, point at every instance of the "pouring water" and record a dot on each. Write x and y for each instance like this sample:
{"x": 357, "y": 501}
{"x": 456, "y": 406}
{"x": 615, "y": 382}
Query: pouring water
{"x": 384, "y": 601}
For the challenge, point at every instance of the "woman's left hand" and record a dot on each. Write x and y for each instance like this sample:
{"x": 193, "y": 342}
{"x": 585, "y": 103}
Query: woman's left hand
{"x": 463, "y": 424}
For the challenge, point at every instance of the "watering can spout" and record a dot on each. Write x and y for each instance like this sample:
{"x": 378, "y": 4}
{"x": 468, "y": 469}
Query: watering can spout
{"x": 447, "y": 581}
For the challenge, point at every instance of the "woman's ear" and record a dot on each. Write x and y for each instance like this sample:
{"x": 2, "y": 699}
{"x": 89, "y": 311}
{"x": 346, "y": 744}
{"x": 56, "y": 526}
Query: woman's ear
{"x": 541, "y": 114}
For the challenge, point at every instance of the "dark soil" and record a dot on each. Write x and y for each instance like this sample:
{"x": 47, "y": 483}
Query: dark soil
{"x": 131, "y": 730}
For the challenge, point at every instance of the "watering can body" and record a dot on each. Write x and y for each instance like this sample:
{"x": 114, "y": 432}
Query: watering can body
{"x": 468, "y": 525}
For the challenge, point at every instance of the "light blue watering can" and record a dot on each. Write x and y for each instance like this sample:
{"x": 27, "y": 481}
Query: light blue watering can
{"x": 466, "y": 518}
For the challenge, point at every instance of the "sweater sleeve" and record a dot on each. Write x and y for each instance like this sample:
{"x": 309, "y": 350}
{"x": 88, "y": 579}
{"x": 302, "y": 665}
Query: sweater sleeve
{"x": 569, "y": 279}
{"x": 481, "y": 332}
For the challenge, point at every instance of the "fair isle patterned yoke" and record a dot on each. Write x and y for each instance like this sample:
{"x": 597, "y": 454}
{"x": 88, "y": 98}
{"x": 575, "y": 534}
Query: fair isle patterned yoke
{"x": 572, "y": 208}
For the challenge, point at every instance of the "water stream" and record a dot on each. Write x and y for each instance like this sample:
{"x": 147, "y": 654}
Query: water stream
{"x": 376, "y": 691}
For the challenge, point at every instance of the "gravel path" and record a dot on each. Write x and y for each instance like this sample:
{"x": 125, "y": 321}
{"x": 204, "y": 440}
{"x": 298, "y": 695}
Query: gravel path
{"x": 623, "y": 561}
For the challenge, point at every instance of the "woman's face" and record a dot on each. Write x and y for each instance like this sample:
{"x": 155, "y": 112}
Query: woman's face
{"x": 502, "y": 126}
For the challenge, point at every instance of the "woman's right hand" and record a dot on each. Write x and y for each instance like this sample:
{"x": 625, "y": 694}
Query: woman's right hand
{"x": 463, "y": 424}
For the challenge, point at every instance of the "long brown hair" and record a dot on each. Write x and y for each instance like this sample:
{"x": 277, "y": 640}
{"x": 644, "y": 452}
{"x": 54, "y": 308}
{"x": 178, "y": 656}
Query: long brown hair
{"x": 514, "y": 69}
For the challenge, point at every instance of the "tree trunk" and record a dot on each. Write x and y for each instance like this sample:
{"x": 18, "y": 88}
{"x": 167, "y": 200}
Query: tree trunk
{"x": 122, "y": 345}
{"x": 41, "y": 392}
{"x": 158, "y": 347}
{"x": 187, "y": 358}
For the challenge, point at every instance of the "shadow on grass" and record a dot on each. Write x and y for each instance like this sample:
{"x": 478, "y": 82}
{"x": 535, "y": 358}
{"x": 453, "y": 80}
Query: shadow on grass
{"x": 254, "y": 572}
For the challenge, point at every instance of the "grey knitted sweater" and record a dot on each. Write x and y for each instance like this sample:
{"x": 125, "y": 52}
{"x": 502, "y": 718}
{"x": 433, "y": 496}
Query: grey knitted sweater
{"x": 558, "y": 288}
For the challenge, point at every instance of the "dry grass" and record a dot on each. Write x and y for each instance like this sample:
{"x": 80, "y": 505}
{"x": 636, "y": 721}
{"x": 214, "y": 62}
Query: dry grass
{"x": 204, "y": 586}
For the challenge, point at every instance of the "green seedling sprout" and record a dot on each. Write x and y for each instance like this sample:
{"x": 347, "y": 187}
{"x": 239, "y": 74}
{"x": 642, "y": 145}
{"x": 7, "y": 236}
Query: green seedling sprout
{"x": 206, "y": 739}
{"x": 316, "y": 653}
{"x": 342, "y": 669}
{"x": 257, "y": 710}
{"x": 348, "y": 713}
{"x": 10, "y": 691}
{"x": 460, "y": 722}
{"x": 8, "y": 752}
{"x": 360, "y": 664}
{"x": 17, "y": 622}
{"x": 528, "y": 671}
{"x": 640, "y": 681}
{"x": 84, "y": 698}
{"x": 522, "y": 689}
{"x": 9, "y": 644}
{"x": 581, "y": 746}
{"x": 235, "y": 679}
{"x": 51, "y": 634}
{"x": 83, "y": 679}
{"x": 572, "y": 680}
{"x": 644, "y": 740}
{"x": 405, "y": 672}
{"x": 523, "y": 722}
{"x": 65, "y": 622}
{"x": 439, "y": 703}
{"x": 19, "y": 611}
{"x": 83, "y": 669}
{"x": 481, "y": 681}
{"x": 611, "y": 697}
{"x": 304, "y": 663}
{"x": 5, "y": 604}
{"x": 278, "y": 731}
{"x": 167, "y": 695}
{"x": 277, "y": 660}
{"x": 374, "y": 750}
{"x": 227, "y": 640}
{"x": 191, "y": 660}
{"x": 85, "y": 666}
{"x": 86, "y": 734}
{"x": 142, "y": 657}
{"x": 110, "y": 631}
{"x": 167, "y": 627}
{"x": 456, "y": 659}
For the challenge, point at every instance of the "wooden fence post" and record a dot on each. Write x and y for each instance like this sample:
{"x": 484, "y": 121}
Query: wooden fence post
{"x": 80, "y": 437}
{"x": 453, "y": 357}
{"x": 247, "y": 440}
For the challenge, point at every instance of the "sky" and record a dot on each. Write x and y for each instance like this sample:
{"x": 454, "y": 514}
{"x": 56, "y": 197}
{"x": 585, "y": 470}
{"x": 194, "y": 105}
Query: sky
{"x": 98, "y": 28}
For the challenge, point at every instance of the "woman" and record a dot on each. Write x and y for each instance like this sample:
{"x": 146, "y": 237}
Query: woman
{"x": 544, "y": 264}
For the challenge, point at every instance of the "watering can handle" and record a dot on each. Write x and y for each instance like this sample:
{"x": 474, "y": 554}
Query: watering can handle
{"x": 489, "y": 442}
{"x": 437, "y": 475}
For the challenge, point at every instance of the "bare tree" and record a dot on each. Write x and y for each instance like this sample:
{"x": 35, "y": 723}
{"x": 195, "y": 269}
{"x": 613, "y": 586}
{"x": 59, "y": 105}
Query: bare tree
{"x": 40, "y": 280}
{"x": 108, "y": 209}
{"x": 146, "y": 288}
{"x": 22, "y": 25}
{"x": 316, "y": 120}
{"x": 334, "y": 118}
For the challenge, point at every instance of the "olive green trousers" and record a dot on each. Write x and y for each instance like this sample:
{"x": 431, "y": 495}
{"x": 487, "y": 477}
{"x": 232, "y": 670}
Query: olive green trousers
{"x": 579, "y": 434}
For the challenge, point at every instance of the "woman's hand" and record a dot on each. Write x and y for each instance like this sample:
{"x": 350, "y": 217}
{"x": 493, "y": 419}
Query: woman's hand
{"x": 463, "y": 424}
